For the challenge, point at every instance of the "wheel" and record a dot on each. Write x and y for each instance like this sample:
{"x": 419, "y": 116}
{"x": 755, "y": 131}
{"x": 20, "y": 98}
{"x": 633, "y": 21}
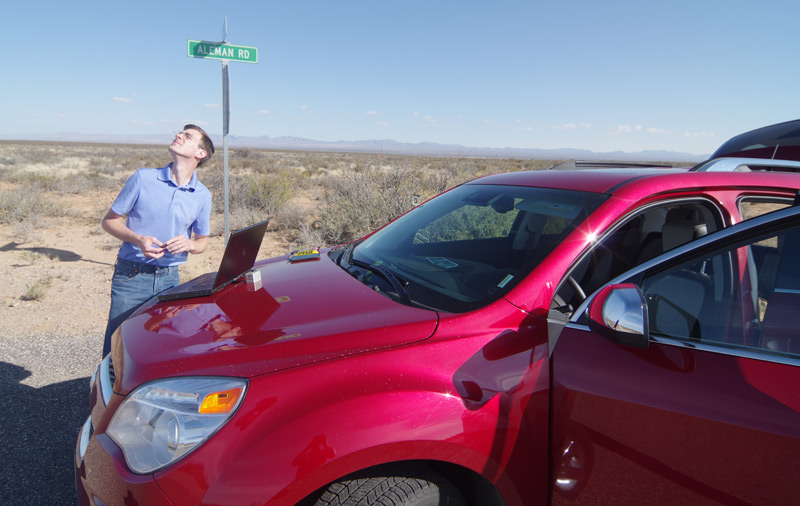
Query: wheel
{"x": 392, "y": 485}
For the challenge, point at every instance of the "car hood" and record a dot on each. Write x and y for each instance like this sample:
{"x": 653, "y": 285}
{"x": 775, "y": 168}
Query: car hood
{"x": 304, "y": 312}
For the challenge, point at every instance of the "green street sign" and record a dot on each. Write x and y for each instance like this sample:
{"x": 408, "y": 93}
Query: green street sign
{"x": 220, "y": 51}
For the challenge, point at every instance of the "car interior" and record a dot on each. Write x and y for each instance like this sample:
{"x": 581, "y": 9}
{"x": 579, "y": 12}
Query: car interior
{"x": 712, "y": 300}
{"x": 640, "y": 238}
{"x": 778, "y": 328}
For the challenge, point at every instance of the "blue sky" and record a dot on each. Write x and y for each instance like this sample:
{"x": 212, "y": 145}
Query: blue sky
{"x": 604, "y": 76}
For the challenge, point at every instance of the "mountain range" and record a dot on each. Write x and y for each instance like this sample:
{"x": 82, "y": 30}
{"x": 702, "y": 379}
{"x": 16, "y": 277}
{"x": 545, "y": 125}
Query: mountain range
{"x": 385, "y": 146}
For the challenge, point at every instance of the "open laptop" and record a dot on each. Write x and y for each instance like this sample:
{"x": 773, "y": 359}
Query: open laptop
{"x": 239, "y": 257}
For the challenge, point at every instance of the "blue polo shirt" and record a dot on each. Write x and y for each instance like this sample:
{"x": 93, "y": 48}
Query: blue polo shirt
{"x": 156, "y": 206}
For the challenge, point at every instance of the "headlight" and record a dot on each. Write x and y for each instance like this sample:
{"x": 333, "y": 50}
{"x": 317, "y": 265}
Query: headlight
{"x": 162, "y": 421}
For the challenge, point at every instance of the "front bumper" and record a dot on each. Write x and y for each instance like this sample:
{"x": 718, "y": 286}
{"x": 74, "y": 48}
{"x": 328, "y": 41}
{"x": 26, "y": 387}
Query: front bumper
{"x": 101, "y": 475}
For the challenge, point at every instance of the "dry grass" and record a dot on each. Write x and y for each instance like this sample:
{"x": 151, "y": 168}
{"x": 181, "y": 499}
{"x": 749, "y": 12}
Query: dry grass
{"x": 56, "y": 262}
{"x": 311, "y": 197}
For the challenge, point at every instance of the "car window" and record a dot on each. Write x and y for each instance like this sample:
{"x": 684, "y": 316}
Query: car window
{"x": 640, "y": 237}
{"x": 750, "y": 208}
{"x": 743, "y": 297}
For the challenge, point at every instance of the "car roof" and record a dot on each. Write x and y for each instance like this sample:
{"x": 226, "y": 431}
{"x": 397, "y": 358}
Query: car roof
{"x": 640, "y": 180}
{"x": 594, "y": 180}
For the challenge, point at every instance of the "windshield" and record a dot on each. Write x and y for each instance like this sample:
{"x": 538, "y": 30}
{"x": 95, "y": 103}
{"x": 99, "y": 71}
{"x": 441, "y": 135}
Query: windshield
{"x": 469, "y": 246}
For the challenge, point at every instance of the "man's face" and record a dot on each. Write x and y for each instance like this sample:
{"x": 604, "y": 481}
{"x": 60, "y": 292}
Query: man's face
{"x": 187, "y": 144}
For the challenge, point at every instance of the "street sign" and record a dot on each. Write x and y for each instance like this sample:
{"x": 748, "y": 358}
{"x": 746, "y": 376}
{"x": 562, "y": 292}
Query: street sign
{"x": 222, "y": 51}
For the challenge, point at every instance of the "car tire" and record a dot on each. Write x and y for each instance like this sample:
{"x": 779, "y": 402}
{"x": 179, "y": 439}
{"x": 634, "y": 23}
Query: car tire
{"x": 393, "y": 485}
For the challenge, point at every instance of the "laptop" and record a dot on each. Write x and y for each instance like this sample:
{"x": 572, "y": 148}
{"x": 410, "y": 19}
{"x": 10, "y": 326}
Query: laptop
{"x": 239, "y": 257}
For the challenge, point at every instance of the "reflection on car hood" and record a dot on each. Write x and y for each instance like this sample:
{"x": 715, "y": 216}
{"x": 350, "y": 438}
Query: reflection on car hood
{"x": 305, "y": 312}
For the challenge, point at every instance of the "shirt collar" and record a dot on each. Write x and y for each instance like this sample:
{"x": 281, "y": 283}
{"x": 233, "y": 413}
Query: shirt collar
{"x": 165, "y": 176}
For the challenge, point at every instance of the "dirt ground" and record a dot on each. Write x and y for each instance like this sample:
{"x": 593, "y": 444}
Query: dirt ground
{"x": 72, "y": 263}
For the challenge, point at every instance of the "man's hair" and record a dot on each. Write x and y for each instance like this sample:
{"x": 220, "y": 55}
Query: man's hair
{"x": 205, "y": 143}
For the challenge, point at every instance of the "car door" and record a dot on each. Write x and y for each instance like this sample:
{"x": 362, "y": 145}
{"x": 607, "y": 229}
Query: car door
{"x": 680, "y": 383}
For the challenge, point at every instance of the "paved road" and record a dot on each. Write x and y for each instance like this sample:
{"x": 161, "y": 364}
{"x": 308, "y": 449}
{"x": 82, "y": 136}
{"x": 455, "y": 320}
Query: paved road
{"x": 43, "y": 403}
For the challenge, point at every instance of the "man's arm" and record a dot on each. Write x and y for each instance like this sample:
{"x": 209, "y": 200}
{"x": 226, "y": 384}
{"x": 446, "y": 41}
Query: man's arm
{"x": 114, "y": 224}
{"x": 200, "y": 244}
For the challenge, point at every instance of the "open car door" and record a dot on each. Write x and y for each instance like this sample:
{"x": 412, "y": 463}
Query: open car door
{"x": 679, "y": 382}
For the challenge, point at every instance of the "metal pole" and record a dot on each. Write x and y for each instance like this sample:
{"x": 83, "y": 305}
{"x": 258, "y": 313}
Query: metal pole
{"x": 225, "y": 125}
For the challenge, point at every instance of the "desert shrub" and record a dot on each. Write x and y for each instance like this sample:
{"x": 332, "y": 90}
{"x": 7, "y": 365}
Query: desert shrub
{"x": 38, "y": 289}
{"x": 25, "y": 203}
{"x": 113, "y": 169}
{"x": 251, "y": 194}
{"x": 38, "y": 153}
{"x": 86, "y": 182}
{"x": 291, "y": 217}
{"x": 214, "y": 180}
{"x": 240, "y": 217}
{"x": 240, "y": 159}
{"x": 35, "y": 180}
{"x": 32, "y": 256}
{"x": 28, "y": 229}
{"x": 269, "y": 192}
{"x": 75, "y": 183}
{"x": 308, "y": 235}
{"x": 358, "y": 202}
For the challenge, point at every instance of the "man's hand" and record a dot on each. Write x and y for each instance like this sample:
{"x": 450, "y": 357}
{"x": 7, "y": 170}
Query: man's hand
{"x": 150, "y": 246}
{"x": 180, "y": 244}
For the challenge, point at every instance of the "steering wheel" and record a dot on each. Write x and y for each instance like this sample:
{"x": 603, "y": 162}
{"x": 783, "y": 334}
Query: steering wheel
{"x": 576, "y": 287}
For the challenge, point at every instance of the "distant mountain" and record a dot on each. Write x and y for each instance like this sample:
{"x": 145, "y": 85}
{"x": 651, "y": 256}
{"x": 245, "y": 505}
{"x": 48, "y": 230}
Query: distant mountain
{"x": 385, "y": 146}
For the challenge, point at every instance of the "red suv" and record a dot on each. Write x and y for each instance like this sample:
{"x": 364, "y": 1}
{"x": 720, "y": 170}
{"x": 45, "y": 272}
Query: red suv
{"x": 548, "y": 337}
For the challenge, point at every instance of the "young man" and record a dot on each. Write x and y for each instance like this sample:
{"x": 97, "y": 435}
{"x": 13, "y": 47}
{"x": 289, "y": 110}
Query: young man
{"x": 155, "y": 215}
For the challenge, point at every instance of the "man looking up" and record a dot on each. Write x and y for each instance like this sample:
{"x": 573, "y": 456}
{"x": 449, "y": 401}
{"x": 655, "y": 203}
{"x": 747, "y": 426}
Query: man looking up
{"x": 155, "y": 215}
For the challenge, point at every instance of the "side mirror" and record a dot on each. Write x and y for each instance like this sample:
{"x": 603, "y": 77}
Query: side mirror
{"x": 619, "y": 313}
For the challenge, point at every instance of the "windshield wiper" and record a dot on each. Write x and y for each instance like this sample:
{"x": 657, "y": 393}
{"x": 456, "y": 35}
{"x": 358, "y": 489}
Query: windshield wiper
{"x": 346, "y": 255}
{"x": 391, "y": 277}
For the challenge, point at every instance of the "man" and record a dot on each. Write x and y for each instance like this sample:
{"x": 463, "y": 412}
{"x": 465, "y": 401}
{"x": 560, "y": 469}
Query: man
{"x": 155, "y": 215}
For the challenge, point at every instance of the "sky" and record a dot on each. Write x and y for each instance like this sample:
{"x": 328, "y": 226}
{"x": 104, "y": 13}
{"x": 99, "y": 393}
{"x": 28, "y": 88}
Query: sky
{"x": 598, "y": 75}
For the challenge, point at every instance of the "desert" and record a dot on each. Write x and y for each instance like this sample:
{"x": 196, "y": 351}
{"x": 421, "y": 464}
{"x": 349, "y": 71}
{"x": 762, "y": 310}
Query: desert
{"x": 56, "y": 261}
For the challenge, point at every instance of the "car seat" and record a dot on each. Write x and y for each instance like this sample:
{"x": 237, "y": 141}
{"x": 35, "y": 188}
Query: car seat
{"x": 676, "y": 299}
{"x": 779, "y": 330}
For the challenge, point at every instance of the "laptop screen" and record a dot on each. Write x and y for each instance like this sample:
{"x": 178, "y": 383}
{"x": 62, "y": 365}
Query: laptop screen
{"x": 240, "y": 253}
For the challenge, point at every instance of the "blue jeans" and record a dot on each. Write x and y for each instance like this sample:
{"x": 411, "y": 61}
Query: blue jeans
{"x": 134, "y": 284}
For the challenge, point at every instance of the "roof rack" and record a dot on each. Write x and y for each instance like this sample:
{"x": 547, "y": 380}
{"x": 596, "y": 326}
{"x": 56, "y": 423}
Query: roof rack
{"x": 591, "y": 164}
{"x": 746, "y": 165}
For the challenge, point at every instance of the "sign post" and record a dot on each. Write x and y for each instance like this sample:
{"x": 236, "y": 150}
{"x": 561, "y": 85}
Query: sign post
{"x": 225, "y": 53}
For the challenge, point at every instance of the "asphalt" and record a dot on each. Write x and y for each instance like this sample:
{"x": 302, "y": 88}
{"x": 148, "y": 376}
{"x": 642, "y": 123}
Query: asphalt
{"x": 43, "y": 403}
